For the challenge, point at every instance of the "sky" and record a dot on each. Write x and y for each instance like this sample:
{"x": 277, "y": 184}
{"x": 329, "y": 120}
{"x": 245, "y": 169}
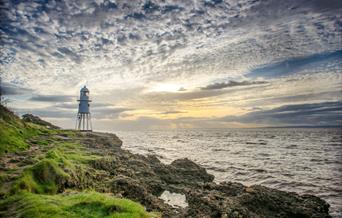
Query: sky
{"x": 173, "y": 64}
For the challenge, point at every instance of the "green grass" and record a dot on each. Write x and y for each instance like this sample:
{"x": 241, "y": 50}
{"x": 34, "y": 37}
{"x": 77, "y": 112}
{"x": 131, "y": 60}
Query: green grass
{"x": 14, "y": 132}
{"x": 44, "y": 177}
{"x": 74, "y": 152}
{"x": 49, "y": 173}
{"x": 34, "y": 194}
{"x": 83, "y": 204}
{"x": 13, "y": 136}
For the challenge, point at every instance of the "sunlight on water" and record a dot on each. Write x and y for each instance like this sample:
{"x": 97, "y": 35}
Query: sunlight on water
{"x": 306, "y": 161}
{"x": 174, "y": 199}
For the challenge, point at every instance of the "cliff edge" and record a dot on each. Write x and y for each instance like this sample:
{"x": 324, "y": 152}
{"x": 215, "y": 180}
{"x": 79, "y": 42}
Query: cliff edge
{"x": 46, "y": 171}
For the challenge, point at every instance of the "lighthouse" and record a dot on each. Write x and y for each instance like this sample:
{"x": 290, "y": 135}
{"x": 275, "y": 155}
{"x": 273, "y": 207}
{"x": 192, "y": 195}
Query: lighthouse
{"x": 83, "y": 121}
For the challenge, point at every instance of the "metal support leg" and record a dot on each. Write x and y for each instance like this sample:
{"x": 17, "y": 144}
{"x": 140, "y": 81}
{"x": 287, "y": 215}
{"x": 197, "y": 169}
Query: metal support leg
{"x": 91, "y": 126}
{"x": 76, "y": 122}
{"x": 87, "y": 122}
{"x": 83, "y": 121}
{"x": 79, "y": 121}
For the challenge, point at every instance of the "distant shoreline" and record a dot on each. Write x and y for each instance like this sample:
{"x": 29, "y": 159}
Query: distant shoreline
{"x": 302, "y": 127}
{"x": 246, "y": 128}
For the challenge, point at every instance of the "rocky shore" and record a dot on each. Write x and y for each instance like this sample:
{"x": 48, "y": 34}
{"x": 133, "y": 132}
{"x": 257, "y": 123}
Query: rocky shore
{"x": 96, "y": 161}
{"x": 143, "y": 179}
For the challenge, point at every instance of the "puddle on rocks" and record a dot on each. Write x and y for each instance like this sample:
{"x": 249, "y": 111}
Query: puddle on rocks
{"x": 174, "y": 199}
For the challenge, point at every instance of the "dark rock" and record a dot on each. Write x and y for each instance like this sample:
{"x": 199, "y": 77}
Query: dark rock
{"x": 187, "y": 171}
{"x": 254, "y": 201}
{"x": 101, "y": 140}
{"x": 133, "y": 189}
{"x": 130, "y": 188}
{"x": 265, "y": 201}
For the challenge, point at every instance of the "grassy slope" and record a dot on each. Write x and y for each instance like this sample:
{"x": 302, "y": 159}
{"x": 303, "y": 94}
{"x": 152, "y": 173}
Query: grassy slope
{"x": 14, "y": 132}
{"x": 81, "y": 204}
{"x": 35, "y": 192}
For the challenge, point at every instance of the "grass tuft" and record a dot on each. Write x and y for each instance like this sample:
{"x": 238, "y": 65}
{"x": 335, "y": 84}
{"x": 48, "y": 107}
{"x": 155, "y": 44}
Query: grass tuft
{"x": 84, "y": 204}
{"x": 46, "y": 177}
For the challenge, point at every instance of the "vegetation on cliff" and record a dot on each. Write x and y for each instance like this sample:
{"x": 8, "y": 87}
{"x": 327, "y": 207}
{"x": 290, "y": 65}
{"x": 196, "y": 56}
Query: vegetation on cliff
{"x": 73, "y": 204}
{"x": 40, "y": 166}
{"x": 14, "y": 132}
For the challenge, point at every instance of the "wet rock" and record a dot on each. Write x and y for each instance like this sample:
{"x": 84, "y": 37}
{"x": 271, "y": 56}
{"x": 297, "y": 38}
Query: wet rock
{"x": 187, "y": 171}
{"x": 254, "y": 201}
{"x": 265, "y": 202}
{"x": 133, "y": 189}
{"x": 101, "y": 140}
{"x": 130, "y": 188}
{"x": 131, "y": 166}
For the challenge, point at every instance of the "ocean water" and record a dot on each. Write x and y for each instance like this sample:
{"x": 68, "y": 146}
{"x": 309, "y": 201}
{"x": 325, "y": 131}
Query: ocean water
{"x": 302, "y": 160}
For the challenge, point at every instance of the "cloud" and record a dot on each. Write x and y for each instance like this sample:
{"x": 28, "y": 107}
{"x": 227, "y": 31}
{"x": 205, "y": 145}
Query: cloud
{"x": 196, "y": 94}
{"x": 63, "y": 51}
{"x": 298, "y": 98}
{"x": 53, "y": 98}
{"x": 316, "y": 114}
{"x": 121, "y": 48}
{"x": 11, "y": 89}
{"x": 73, "y": 105}
{"x": 293, "y": 65}
{"x": 231, "y": 83}
{"x": 67, "y": 105}
{"x": 69, "y": 112}
{"x": 48, "y": 112}
{"x": 172, "y": 112}
{"x": 107, "y": 112}
{"x": 76, "y": 40}
{"x": 212, "y": 3}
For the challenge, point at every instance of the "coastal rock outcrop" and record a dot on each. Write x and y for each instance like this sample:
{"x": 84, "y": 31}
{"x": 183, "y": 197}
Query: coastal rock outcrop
{"x": 145, "y": 178}
{"x": 236, "y": 200}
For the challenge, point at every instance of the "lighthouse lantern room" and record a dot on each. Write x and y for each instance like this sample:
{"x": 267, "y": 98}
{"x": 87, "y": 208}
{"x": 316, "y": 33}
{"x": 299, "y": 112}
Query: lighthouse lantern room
{"x": 83, "y": 121}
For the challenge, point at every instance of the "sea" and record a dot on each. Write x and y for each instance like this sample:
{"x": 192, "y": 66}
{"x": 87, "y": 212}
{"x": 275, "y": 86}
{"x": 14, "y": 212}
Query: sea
{"x": 301, "y": 160}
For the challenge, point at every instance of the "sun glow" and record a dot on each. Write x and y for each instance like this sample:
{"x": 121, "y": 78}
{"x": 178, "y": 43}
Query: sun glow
{"x": 166, "y": 87}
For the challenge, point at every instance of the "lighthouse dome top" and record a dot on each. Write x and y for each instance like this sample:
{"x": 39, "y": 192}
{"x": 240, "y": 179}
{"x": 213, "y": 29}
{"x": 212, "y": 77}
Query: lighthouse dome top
{"x": 84, "y": 89}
